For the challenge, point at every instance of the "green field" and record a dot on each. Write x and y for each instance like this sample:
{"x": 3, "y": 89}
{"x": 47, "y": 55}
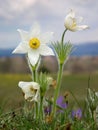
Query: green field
{"x": 11, "y": 95}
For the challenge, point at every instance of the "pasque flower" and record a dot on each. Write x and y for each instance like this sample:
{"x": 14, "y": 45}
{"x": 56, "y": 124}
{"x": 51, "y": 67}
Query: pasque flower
{"x": 71, "y": 22}
{"x": 77, "y": 114}
{"x": 92, "y": 99}
{"x": 34, "y": 44}
{"x": 30, "y": 90}
{"x": 61, "y": 103}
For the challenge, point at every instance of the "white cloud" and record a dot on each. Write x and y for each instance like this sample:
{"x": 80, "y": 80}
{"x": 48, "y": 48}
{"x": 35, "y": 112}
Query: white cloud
{"x": 11, "y": 8}
{"x": 20, "y": 5}
{"x": 50, "y": 14}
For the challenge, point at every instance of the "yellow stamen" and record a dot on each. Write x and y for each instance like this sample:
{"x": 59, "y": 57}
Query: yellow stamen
{"x": 33, "y": 90}
{"x": 74, "y": 24}
{"x": 34, "y": 43}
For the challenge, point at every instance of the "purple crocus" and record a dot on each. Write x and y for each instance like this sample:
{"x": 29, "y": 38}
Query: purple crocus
{"x": 77, "y": 114}
{"x": 60, "y": 102}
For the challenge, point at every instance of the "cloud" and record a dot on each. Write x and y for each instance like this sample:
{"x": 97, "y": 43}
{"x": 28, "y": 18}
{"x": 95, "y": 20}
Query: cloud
{"x": 50, "y": 14}
{"x": 11, "y": 8}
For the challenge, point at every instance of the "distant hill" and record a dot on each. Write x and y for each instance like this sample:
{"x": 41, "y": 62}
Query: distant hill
{"x": 5, "y": 52}
{"x": 89, "y": 49}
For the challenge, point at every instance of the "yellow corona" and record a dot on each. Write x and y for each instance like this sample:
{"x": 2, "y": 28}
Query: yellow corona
{"x": 34, "y": 43}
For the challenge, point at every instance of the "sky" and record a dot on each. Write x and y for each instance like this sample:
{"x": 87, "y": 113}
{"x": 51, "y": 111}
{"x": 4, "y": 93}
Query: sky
{"x": 50, "y": 14}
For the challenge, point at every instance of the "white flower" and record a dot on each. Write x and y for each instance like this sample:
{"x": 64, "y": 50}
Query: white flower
{"x": 71, "y": 22}
{"x": 30, "y": 90}
{"x": 96, "y": 93}
{"x": 34, "y": 44}
{"x": 49, "y": 80}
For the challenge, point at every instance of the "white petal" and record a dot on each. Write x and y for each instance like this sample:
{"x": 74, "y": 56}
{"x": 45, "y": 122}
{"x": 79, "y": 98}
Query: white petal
{"x": 96, "y": 93}
{"x": 82, "y": 27}
{"x": 26, "y": 96}
{"x": 24, "y": 35}
{"x": 45, "y": 50}
{"x": 46, "y": 37}
{"x": 35, "y": 30}
{"x": 35, "y": 85}
{"x": 71, "y": 14}
{"x": 33, "y": 56}
{"x": 21, "y": 48}
{"x": 23, "y": 85}
{"x": 36, "y": 98}
{"x": 68, "y": 23}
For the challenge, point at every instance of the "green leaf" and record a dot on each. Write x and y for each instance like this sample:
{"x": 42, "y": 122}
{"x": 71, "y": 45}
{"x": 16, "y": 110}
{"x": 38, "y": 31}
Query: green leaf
{"x": 62, "y": 51}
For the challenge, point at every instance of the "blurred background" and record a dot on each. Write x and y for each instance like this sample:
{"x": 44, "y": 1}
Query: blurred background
{"x": 81, "y": 69}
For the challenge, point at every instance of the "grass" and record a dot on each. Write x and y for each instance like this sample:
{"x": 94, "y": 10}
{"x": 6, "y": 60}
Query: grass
{"x": 11, "y": 99}
{"x": 78, "y": 83}
{"x": 11, "y": 96}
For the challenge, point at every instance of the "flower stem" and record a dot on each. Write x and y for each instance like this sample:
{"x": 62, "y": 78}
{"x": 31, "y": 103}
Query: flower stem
{"x": 36, "y": 110}
{"x": 34, "y": 73}
{"x": 59, "y": 76}
{"x": 41, "y": 108}
{"x": 57, "y": 88}
{"x": 62, "y": 40}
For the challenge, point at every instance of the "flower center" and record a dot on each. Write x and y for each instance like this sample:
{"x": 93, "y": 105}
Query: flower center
{"x": 74, "y": 24}
{"x": 33, "y": 90}
{"x": 34, "y": 43}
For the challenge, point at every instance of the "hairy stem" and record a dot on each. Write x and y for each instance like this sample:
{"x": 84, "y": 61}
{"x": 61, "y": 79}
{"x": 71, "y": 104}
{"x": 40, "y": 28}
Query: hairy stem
{"x": 41, "y": 108}
{"x": 62, "y": 40}
{"x": 34, "y": 73}
{"x": 57, "y": 88}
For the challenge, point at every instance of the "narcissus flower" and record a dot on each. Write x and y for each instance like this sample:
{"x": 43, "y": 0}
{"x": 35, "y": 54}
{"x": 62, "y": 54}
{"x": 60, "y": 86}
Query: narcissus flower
{"x": 30, "y": 90}
{"x": 71, "y": 22}
{"x": 34, "y": 44}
